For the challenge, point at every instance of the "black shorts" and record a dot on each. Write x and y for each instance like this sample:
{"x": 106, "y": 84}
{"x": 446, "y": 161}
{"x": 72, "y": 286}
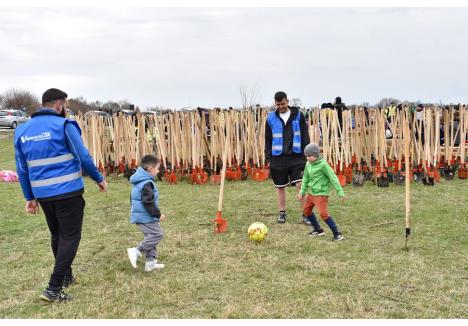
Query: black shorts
{"x": 287, "y": 170}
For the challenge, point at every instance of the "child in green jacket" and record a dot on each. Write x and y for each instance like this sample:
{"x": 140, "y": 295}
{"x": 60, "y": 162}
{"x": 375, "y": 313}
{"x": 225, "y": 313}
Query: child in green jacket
{"x": 318, "y": 176}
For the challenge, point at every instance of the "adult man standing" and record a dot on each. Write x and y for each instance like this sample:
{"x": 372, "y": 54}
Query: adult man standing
{"x": 49, "y": 156}
{"x": 286, "y": 136}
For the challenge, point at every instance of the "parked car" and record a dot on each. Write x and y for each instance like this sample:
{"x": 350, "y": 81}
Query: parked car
{"x": 150, "y": 113}
{"x": 98, "y": 113}
{"x": 126, "y": 112}
{"x": 12, "y": 118}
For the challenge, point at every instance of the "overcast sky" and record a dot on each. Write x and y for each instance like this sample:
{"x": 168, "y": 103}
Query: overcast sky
{"x": 179, "y": 57}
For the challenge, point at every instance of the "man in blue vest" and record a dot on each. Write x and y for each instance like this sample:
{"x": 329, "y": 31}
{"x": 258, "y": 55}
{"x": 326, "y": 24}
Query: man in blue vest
{"x": 286, "y": 136}
{"x": 49, "y": 156}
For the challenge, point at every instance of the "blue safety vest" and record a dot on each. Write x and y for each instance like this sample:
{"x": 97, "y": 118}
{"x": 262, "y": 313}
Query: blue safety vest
{"x": 276, "y": 125}
{"x": 52, "y": 169}
{"x": 138, "y": 213}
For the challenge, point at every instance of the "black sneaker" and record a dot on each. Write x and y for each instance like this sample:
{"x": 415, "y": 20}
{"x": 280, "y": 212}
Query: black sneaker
{"x": 68, "y": 280}
{"x": 282, "y": 217}
{"x": 316, "y": 233}
{"x": 306, "y": 220}
{"x": 55, "y": 296}
{"x": 338, "y": 237}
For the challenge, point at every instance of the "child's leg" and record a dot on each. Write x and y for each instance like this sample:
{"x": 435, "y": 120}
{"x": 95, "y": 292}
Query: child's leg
{"x": 153, "y": 234}
{"x": 308, "y": 212}
{"x": 322, "y": 205}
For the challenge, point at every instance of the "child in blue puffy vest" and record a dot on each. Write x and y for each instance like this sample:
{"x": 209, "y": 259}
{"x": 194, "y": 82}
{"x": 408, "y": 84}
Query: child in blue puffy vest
{"x": 145, "y": 213}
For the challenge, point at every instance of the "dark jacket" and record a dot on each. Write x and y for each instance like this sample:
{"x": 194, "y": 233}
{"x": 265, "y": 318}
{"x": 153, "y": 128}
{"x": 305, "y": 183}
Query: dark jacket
{"x": 340, "y": 107}
{"x": 288, "y": 136}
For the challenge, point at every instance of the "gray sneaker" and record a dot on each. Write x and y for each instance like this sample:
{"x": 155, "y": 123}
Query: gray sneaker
{"x": 282, "y": 217}
{"x": 133, "y": 255}
{"x": 338, "y": 237}
{"x": 55, "y": 296}
{"x": 316, "y": 233}
{"x": 153, "y": 265}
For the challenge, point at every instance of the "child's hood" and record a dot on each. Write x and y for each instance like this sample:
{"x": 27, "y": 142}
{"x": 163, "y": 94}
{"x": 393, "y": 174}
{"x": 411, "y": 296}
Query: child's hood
{"x": 141, "y": 175}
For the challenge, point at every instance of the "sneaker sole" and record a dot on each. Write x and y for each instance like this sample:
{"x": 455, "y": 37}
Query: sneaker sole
{"x": 154, "y": 269}
{"x": 134, "y": 265}
{"x": 316, "y": 235}
{"x": 44, "y": 298}
{"x": 338, "y": 239}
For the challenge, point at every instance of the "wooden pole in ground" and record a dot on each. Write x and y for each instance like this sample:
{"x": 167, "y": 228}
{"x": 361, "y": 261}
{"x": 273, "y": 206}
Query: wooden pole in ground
{"x": 407, "y": 179}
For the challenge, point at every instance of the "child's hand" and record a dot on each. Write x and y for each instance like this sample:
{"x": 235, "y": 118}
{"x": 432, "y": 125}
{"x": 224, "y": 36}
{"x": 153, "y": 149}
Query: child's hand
{"x": 162, "y": 217}
{"x": 299, "y": 196}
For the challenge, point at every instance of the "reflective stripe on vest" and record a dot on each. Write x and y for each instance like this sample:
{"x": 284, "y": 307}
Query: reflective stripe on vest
{"x": 52, "y": 168}
{"x": 276, "y": 126}
{"x": 51, "y": 160}
{"x": 52, "y": 181}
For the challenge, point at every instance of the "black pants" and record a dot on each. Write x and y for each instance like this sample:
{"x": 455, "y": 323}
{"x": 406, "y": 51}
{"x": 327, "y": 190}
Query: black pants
{"x": 64, "y": 218}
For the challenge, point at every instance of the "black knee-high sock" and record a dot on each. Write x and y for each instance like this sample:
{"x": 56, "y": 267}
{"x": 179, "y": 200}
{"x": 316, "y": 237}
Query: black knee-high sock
{"x": 331, "y": 224}
{"x": 314, "y": 222}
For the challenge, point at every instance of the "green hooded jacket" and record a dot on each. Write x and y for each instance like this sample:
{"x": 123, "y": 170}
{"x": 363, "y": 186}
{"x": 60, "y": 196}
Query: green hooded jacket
{"x": 317, "y": 178}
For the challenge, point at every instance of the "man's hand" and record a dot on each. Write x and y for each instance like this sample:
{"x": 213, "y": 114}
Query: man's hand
{"x": 32, "y": 207}
{"x": 102, "y": 186}
{"x": 299, "y": 196}
{"x": 162, "y": 217}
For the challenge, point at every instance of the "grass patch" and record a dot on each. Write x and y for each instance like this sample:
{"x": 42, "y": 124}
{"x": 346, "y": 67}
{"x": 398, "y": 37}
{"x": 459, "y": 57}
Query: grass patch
{"x": 368, "y": 275}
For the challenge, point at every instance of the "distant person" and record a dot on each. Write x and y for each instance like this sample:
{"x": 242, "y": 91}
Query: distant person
{"x": 339, "y": 106}
{"x": 145, "y": 213}
{"x": 391, "y": 111}
{"x": 49, "y": 155}
{"x": 286, "y": 135}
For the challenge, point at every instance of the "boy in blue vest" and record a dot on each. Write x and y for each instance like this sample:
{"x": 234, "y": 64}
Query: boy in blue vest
{"x": 145, "y": 213}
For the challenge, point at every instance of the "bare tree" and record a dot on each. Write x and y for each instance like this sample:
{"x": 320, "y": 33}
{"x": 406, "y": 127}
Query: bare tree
{"x": 249, "y": 96}
{"x": 386, "y": 102}
{"x": 125, "y": 105}
{"x": 19, "y": 99}
{"x": 111, "y": 106}
{"x": 296, "y": 102}
{"x": 80, "y": 104}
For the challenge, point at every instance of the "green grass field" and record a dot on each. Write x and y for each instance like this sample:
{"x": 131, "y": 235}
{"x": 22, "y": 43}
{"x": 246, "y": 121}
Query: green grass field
{"x": 290, "y": 275}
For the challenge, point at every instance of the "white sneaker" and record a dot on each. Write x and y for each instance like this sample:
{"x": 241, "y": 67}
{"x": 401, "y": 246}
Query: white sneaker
{"x": 152, "y": 265}
{"x": 133, "y": 255}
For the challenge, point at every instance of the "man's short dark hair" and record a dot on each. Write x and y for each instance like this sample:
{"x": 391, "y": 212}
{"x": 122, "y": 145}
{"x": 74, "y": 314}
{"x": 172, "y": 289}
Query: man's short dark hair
{"x": 149, "y": 161}
{"x": 279, "y": 96}
{"x": 53, "y": 94}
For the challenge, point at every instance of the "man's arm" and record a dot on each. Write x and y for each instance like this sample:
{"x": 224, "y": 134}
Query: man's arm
{"x": 23, "y": 173}
{"x": 147, "y": 198}
{"x": 76, "y": 146}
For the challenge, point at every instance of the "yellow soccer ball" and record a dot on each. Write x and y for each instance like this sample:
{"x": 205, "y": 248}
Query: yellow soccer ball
{"x": 257, "y": 232}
